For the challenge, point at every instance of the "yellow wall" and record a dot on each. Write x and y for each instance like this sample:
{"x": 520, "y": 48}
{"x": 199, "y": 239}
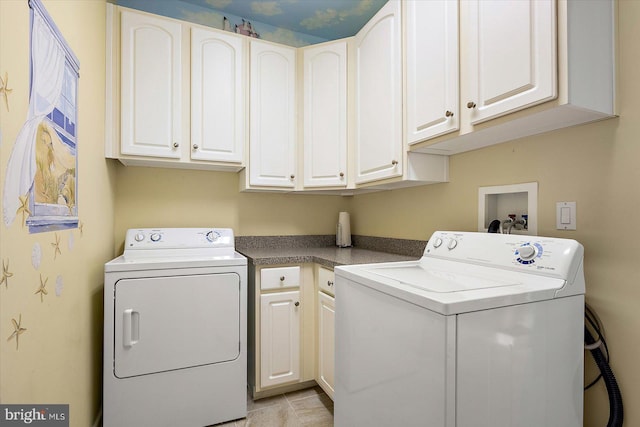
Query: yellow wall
{"x": 154, "y": 197}
{"x": 59, "y": 358}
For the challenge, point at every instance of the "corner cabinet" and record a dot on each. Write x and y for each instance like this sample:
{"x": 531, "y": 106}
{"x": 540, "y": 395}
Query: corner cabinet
{"x": 152, "y": 80}
{"x": 378, "y": 67}
{"x": 272, "y": 130}
{"x": 325, "y": 115}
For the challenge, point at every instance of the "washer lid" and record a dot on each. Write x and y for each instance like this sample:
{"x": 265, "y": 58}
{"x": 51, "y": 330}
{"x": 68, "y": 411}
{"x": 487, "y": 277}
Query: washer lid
{"x": 441, "y": 280}
{"x": 450, "y": 287}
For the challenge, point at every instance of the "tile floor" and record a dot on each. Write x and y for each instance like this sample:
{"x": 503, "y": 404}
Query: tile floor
{"x": 310, "y": 407}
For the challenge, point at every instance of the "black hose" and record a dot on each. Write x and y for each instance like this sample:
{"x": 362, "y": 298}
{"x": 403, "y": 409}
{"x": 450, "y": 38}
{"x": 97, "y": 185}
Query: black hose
{"x": 616, "y": 413}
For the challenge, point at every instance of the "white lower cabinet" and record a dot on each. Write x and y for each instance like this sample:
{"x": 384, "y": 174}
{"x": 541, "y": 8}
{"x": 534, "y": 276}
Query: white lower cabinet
{"x": 326, "y": 347}
{"x": 281, "y": 329}
{"x": 280, "y": 338}
{"x": 326, "y": 307}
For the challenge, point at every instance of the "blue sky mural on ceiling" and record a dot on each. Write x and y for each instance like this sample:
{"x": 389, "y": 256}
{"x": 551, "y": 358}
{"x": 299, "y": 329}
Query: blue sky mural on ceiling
{"x": 291, "y": 22}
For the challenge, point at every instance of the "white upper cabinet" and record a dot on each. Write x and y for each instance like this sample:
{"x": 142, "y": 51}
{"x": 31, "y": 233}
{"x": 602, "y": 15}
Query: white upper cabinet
{"x": 432, "y": 78}
{"x": 151, "y": 94}
{"x": 325, "y": 115}
{"x": 378, "y": 126}
{"x": 272, "y": 136}
{"x": 176, "y": 93}
{"x": 217, "y": 96}
{"x": 526, "y": 67}
{"x": 511, "y": 57}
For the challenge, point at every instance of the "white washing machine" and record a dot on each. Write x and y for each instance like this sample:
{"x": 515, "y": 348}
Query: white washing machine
{"x": 175, "y": 310}
{"x": 485, "y": 330}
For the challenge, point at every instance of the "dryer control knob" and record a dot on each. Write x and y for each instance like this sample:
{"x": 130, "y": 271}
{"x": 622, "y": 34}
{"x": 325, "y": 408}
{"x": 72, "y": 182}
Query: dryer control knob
{"x": 155, "y": 237}
{"x": 212, "y": 236}
{"x": 452, "y": 244}
{"x": 139, "y": 237}
{"x": 527, "y": 252}
{"x": 437, "y": 243}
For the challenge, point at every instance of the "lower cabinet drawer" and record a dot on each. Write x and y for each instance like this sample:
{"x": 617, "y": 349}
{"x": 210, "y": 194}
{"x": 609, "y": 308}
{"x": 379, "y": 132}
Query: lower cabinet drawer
{"x": 326, "y": 280}
{"x": 279, "y": 277}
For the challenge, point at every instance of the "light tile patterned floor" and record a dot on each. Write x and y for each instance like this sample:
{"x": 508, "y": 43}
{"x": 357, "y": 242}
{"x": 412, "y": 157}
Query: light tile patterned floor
{"x": 304, "y": 408}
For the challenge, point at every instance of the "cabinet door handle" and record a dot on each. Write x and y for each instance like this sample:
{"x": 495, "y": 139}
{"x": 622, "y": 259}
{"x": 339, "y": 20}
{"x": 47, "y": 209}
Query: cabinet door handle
{"x": 329, "y": 283}
{"x": 176, "y": 145}
{"x": 394, "y": 162}
{"x": 195, "y": 146}
{"x": 341, "y": 174}
{"x": 471, "y": 105}
{"x": 282, "y": 278}
{"x": 293, "y": 176}
{"x": 297, "y": 303}
{"x": 448, "y": 113}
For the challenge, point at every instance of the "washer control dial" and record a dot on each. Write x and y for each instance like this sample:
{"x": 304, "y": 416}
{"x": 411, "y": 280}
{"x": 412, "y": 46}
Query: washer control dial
{"x": 437, "y": 243}
{"x": 528, "y": 253}
{"x": 139, "y": 237}
{"x": 452, "y": 244}
{"x": 155, "y": 237}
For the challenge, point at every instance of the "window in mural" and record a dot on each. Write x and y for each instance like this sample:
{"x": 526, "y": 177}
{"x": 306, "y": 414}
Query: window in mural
{"x": 41, "y": 184}
{"x": 54, "y": 187}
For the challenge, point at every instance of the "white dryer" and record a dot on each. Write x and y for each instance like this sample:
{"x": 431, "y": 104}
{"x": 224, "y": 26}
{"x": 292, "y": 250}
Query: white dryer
{"x": 175, "y": 329}
{"x": 484, "y": 330}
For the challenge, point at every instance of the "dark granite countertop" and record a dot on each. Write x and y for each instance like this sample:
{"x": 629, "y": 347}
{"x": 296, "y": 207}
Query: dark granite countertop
{"x": 327, "y": 256}
{"x": 271, "y": 250}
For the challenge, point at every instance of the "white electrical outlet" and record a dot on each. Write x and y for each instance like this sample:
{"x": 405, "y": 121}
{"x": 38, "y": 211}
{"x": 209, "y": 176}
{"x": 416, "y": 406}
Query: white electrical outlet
{"x": 566, "y": 215}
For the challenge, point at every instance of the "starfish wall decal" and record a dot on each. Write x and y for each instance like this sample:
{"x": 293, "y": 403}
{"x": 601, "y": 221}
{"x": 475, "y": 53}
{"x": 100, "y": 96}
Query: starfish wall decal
{"x": 56, "y": 246}
{"x": 5, "y": 274}
{"x": 42, "y": 289}
{"x": 24, "y": 207}
{"x": 4, "y": 89}
{"x": 17, "y": 330}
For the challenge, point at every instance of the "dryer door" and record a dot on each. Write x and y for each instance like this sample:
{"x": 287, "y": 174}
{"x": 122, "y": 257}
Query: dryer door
{"x": 167, "y": 323}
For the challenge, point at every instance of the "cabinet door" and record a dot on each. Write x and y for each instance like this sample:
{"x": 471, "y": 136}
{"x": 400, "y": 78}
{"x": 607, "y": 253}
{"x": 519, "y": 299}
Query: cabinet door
{"x": 150, "y": 86}
{"x": 217, "y": 96}
{"x": 326, "y": 351}
{"x": 325, "y": 115}
{"x": 279, "y": 338}
{"x": 432, "y": 68}
{"x": 272, "y": 159}
{"x": 378, "y": 96}
{"x": 511, "y": 55}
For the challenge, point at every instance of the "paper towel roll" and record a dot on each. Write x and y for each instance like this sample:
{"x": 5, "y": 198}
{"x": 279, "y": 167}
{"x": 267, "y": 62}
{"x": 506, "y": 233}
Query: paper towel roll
{"x": 343, "y": 231}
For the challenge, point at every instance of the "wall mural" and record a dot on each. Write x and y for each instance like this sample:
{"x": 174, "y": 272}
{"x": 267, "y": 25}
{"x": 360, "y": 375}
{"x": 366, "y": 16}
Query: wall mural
{"x": 17, "y": 330}
{"x": 40, "y": 186}
{"x": 41, "y": 180}
{"x": 4, "y": 89}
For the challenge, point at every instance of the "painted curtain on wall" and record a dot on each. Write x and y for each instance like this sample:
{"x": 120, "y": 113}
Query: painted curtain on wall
{"x": 40, "y": 182}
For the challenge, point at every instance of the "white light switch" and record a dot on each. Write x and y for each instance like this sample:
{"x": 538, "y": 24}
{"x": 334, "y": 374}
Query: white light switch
{"x": 566, "y": 215}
